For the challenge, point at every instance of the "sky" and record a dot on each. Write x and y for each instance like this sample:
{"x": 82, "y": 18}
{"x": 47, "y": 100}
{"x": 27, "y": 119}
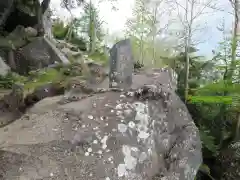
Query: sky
{"x": 115, "y": 20}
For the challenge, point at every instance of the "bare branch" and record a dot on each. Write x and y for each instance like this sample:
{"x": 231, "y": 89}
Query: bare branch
{"x": 201, "y": 11}
{"x": 217, "y": 9}
{"x": 178, "y": 11}
{"x": 179, "y": 5}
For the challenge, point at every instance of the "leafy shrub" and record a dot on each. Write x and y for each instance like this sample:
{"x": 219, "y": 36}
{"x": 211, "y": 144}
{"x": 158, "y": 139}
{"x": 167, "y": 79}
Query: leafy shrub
{"x": 59, "y": 30}
{"x": 9, "y": 79}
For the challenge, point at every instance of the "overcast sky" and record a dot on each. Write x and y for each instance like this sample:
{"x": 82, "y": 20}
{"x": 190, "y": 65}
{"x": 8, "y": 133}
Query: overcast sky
{"x": 115, "y": 20}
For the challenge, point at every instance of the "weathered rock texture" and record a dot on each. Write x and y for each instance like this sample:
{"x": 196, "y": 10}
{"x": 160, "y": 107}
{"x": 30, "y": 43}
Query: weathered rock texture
{"x": 121, "y": 65}
{"x": 112, "y": 135}
{"x": 4, "y": 68}
{"x": 10, "y": 105}
{"x": 22, "y": 37}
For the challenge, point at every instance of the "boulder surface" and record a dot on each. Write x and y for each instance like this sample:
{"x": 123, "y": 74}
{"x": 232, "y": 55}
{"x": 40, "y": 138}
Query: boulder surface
{"x": 110, "y": 134}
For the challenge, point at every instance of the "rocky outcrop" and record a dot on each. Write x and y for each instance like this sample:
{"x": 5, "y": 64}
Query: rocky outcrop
{"x": 22, "y": 39}
{"x": 11, "y": 105}
{"x": 110, "y": 134}
{"x": 4, "y": 68}
{"x": 38, "y": 54}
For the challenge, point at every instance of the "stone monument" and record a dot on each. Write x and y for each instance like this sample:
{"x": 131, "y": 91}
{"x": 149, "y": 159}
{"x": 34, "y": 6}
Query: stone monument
{"x": 121, "y": 65}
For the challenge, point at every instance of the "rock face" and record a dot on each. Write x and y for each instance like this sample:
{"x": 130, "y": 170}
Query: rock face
{"x": 4, "y": 68}
{"x": 23, "y": 34}
{"x": 38, "y": 54}
{"x": 113, "y": 135}
{"x": 10, "y": 105}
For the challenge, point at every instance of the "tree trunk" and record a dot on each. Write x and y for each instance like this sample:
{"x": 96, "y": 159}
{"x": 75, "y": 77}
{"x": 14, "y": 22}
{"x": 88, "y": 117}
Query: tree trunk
{"x": 154, "y": 35}
{"x": 92, "y": 29}
{"x": 186, "y": 54}
{"x": 188, "y": 30}
{"x": 186, "y": 69}
{"x": 141, "y": 39}
{"x": 234, "y": 40}
{"x": 237, "y": 127}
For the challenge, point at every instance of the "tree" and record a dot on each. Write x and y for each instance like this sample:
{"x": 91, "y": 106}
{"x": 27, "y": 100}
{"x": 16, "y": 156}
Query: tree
{"x": 69, "y": 5}
{"x": 138, "y": 27}
{"x": 157, "y": 26}
{"x": 90, "y": 26}
{"x": 236, "y": 8}
{"x": 188, "y": 19}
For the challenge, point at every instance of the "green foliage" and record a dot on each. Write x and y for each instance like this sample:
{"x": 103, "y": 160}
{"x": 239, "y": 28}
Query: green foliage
{"x": 41, "y": 77}
{"x": 89, "y": 25}
{"x": 79, "y": 42}
{"x": 8, "y": 80}
{"x": 59, "y": 30}
{"x": 208, "y": 141}
{"x": 204, "y": 169}
{"x": 99, "y": 57}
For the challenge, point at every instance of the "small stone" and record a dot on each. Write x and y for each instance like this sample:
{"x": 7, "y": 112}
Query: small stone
{"x": 130, "y": 94}
{"x": 51, "y": 174}
{"x": 95, "y": 128}
{"x": 99, "y": 152}
{"x": 143, "y": 135}
{"x": 86, "y": 153}
{"x": 118, "y": 113}
{"x": 90, "y": 117}
{"x": 114, "y": 84}
{"x": 122, "y": 128}
{"x": 122, "y": 96}
{"x": 89, "y": 149}
{"x": 131, "y": 124}
{"x": 135, "y": 149}
{"x": 119, "y": 106}
{"x": 95, "y": 142}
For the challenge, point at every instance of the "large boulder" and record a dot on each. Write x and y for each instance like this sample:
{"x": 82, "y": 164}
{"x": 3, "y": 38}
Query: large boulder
{"x": 39, "y": 53}
{"x": 11, "y": 105}
{"x": 139, "y": 134}
{"x": 4, "y": 68}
